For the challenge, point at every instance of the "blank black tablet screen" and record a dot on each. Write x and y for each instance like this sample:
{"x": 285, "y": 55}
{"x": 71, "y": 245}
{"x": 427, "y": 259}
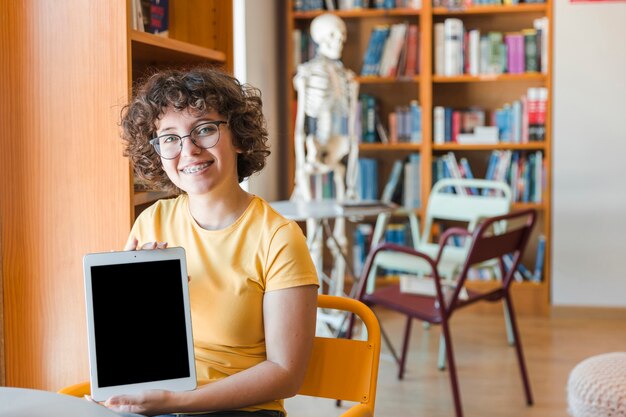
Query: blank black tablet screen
{"x": 139, "y": 322}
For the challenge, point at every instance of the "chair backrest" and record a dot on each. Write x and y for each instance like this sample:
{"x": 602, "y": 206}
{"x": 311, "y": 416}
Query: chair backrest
{"x": 487, "y": 244}
{"x": 475, "y": 199}
{"x": 345, "y": 369}
{"x": 340, "y": 369}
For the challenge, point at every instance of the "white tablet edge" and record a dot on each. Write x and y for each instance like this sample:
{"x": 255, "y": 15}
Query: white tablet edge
{"x": 111, "y": 258}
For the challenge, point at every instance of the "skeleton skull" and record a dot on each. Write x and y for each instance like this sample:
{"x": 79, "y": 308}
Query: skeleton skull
{"x": 329, "y": 33}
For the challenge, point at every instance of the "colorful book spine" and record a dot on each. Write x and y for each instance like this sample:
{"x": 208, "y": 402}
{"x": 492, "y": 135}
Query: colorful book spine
{"x": 539, "y": 261}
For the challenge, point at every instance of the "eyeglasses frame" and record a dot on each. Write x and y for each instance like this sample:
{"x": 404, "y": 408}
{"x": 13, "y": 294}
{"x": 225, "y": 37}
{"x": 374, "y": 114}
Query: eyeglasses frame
{"x": 218, "y": 123}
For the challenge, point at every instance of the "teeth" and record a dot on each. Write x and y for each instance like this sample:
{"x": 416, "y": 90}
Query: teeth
{"x": 195, "y": 168}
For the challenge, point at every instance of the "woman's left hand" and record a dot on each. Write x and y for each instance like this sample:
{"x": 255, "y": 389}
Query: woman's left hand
{"x": 148, "y": 403}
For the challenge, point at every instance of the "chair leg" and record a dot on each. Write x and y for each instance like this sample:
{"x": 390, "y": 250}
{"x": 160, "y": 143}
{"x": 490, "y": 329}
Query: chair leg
{"x": 456, "y": 394}
{"x": 441, "y": 360}
{"x": 518, "y": 349}
{"x": 405, "y": 346}
{"x": 507, "y": 323}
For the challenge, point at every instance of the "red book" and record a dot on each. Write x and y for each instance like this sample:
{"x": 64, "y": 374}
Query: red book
{"x": 393, "y": 128}
{"x": 412, "y": 53}
{"x": 456, "y": 124}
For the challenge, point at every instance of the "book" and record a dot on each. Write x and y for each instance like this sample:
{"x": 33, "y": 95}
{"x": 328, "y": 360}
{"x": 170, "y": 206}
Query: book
{"x": 531, "y": 60}
{"x": 474, "y": 52}
{"x": 374, "y": 50}
{"x": 453, "y": 46}
{"x": 411, "y": 67}
{"x": 392, "y": 182}
{"x": 438, "y": 49}
{"x": 137, "y": 19}
{"x": 296, "y": 35}
{"x": 412, "y": 189}
{"x": 392, "y": 50}
{"x": 453, "y": 168}
{"x": 159, "y": 17}
{"x": 541, "y": 26}
{"x": 416, "y": 122}
{"x": 438, "y": 125}
{"x": 540, "y": 258}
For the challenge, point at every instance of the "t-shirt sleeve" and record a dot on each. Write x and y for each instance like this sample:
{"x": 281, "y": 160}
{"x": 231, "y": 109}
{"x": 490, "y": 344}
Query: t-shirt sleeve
{"x": 289, "y": 262}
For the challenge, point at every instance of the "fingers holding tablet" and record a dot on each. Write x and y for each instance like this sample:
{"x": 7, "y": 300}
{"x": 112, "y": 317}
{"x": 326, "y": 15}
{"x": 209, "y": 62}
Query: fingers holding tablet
{"x": 133, "y": 243}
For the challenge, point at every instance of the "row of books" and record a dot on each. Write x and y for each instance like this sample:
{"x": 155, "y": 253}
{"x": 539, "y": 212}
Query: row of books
{"x": 458, "y": 51}
{"x": 462, "y": 4}
{"x": 399, "y": 234}
{"x": 403, "y": 186}
{"x": 524, "y": 172}
{"x": 404, "y": 124}
{"x": 392, "y": 51}
{"x": 521, "y": 121}
{"x": 313, "y": 5}
{"x": 522, "y": 273}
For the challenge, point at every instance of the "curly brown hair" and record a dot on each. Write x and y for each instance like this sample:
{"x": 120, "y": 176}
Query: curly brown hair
{"x": 202, "y": 89}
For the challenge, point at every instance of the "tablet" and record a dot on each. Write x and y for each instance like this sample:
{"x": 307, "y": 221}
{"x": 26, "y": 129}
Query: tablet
{"x": 138, "y": 322}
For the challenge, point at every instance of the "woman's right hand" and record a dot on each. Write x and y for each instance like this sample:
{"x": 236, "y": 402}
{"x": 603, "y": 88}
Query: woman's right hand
{"x": 133, "y": 242}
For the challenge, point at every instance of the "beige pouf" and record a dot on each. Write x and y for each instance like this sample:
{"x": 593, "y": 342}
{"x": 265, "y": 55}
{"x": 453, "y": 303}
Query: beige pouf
{"x": 597, "y": 386}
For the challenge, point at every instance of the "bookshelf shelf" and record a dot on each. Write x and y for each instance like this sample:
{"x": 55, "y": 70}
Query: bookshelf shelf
{"x": 490, "y": 147}
{"x": 524, "y": 206}
{"x": 149, "y": 48}
{"x": 531, "y": 76}
{"x": 463, "y": 99}
{"x": 387, "y": 80}
{"x": 497, "y": 9}
{"x": 359, "y": 13}
{"x": 382, "y": 147}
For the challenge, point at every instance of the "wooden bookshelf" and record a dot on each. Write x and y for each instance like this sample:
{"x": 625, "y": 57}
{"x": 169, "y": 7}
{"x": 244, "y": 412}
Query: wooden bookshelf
{"x": 462, "y": 91}
{"x": 64, "y": 89}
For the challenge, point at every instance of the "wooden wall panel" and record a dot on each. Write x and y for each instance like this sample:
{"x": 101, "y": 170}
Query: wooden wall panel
{"x": 64, "y": 185}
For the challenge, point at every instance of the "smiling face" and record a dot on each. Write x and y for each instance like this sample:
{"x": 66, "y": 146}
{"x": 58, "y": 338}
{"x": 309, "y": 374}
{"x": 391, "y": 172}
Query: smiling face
{"x": 199, "y": 171}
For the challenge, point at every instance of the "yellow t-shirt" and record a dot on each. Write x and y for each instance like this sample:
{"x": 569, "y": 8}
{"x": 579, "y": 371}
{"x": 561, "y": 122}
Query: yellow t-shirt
{"x": 230, "y": 270}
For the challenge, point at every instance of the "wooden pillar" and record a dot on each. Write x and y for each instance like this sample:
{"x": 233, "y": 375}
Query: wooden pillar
{"x": 64, "y": 185}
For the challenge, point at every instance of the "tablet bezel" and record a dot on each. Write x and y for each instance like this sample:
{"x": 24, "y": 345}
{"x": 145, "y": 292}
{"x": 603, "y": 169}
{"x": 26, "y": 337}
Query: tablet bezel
{"x": 126, "y": 257}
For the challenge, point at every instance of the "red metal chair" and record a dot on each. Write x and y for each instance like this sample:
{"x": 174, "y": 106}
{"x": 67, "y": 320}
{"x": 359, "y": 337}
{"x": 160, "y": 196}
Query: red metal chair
{"x": 438, "y": 309}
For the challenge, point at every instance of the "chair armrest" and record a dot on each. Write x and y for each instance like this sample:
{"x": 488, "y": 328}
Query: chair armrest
{"x": 447, "y": 235}
{"x": 359, "y": 410}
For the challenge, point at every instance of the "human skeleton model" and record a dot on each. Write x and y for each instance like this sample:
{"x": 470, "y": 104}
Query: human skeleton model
{"x": 327, "y": 93}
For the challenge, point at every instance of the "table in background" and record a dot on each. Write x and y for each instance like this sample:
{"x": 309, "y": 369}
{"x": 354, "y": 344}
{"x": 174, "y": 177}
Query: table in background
{"x": 322, "y": 212}
{"x": 21, "y": 402}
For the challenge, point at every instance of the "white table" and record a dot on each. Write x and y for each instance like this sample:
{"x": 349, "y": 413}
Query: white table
{"x": 322, "y": 212}
{"x": 21, "y": 402}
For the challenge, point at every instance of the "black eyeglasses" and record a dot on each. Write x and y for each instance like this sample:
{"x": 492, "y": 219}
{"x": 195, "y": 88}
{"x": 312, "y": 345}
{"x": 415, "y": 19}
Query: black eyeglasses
{"x": 205, "y": 136}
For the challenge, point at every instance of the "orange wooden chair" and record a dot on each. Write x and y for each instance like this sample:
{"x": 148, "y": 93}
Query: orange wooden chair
{"x": 339, "y": 369}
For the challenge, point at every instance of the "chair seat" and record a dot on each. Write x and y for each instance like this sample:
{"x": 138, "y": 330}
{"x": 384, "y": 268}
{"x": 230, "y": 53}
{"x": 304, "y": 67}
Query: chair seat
{"x": 417, "y": 306}
{"x": 422, "y": 307}
{"x": 452, "y": 257}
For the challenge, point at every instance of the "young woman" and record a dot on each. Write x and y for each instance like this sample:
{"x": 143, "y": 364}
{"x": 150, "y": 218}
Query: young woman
{"x": 253, "y": 286}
